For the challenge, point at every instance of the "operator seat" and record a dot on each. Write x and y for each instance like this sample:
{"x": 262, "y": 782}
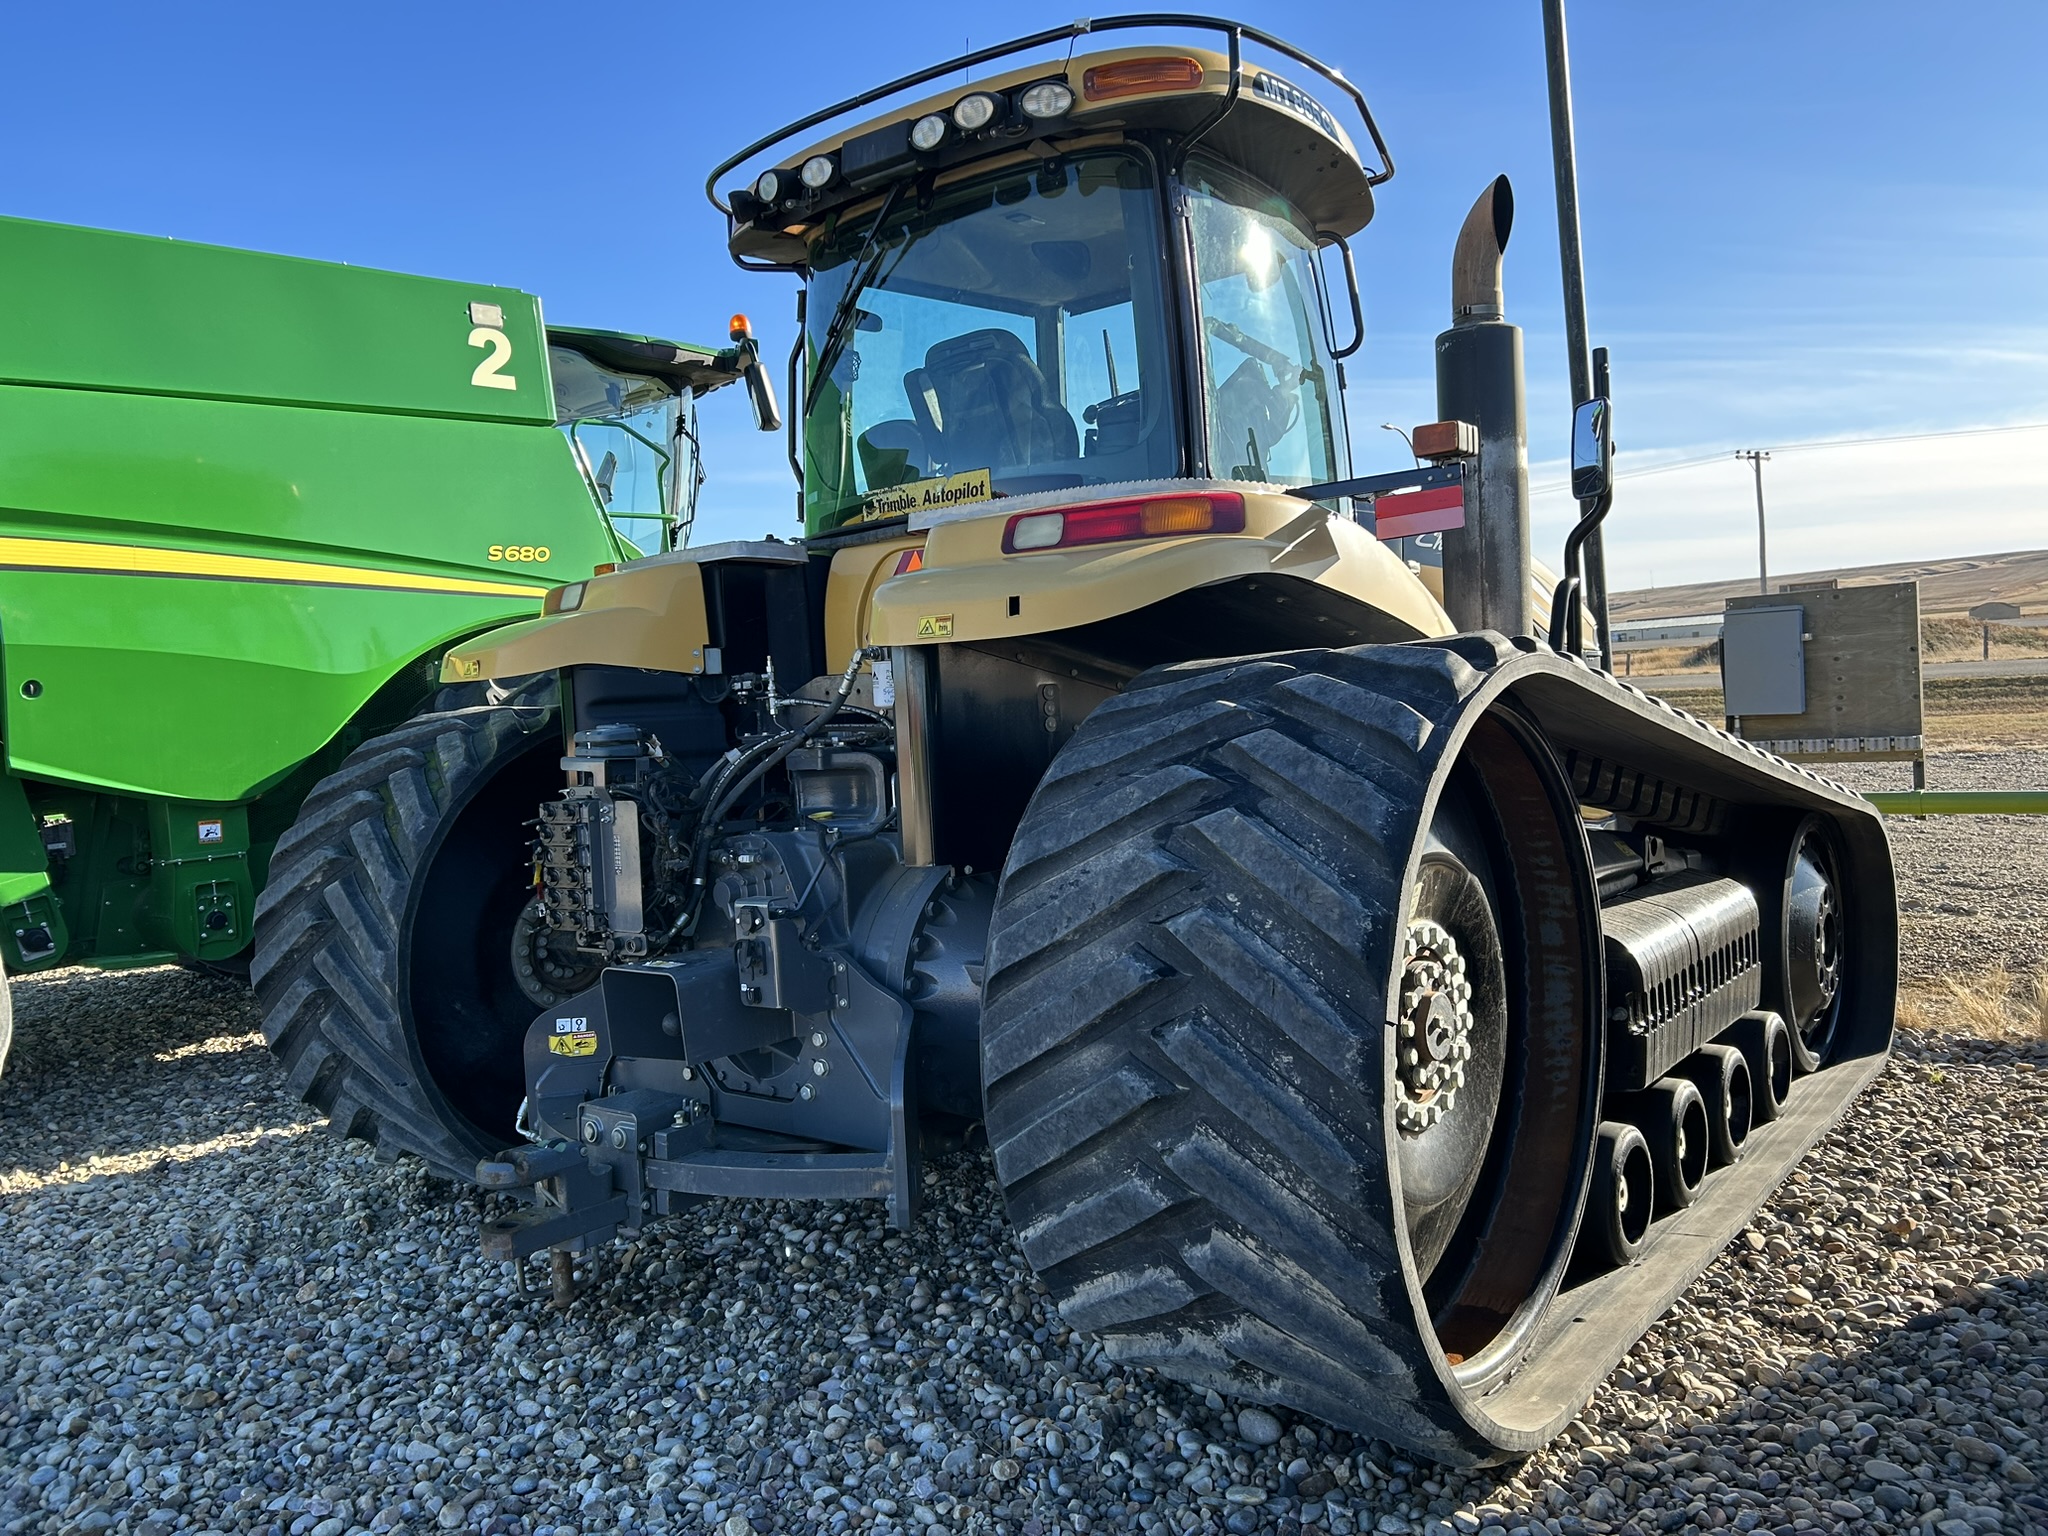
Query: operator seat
{"x": 982, "y": 403}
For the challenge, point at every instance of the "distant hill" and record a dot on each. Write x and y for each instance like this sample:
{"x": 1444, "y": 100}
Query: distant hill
{"x": 1947, "y": 587}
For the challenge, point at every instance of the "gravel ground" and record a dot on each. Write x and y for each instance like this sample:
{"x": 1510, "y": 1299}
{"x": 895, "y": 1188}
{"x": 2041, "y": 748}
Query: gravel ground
{"x": 1973, "y": 889}
{"x": 218, "y": 1318}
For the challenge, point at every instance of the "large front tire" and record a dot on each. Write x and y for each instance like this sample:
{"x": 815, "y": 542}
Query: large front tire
{"x": 1289, "y": 1053}
{"x": 384, "y": 945}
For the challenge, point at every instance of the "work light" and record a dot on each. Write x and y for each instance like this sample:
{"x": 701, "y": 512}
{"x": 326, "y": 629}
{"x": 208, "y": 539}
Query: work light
{"x": 1047, "y": 99}
{"x": 928, "y": 132}
{"x": 817, "y": 171}
{"x": 971, "y": 113}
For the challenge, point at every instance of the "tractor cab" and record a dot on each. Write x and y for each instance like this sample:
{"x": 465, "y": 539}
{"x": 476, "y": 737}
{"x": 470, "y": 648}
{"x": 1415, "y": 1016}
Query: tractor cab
{"x": 1092, "y": 270}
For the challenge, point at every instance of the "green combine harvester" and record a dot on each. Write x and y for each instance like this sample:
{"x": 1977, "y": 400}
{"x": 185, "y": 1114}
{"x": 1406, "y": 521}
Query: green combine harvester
{"x": 246, "y": 503}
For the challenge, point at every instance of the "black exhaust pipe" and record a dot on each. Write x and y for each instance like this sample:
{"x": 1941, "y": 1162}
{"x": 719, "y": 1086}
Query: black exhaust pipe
{"x": 1479, "y": 379}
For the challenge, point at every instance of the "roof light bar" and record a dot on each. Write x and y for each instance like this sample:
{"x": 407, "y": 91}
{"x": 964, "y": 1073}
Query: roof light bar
{"x": 1235, "y": 34}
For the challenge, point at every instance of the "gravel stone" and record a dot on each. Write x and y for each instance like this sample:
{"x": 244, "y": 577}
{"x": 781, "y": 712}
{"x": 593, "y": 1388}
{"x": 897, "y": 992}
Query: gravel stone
{"x": 1255, "y": 1426}
{"x": 216, "y": 1318}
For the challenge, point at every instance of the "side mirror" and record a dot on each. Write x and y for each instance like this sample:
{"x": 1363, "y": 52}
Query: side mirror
{"x": 760, "y": 389}
{"x": 1592, "y": 449}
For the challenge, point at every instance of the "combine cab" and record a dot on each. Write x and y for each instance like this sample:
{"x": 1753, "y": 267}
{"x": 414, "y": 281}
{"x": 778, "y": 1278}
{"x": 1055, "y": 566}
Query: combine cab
{"x": 1366, "y": 1011}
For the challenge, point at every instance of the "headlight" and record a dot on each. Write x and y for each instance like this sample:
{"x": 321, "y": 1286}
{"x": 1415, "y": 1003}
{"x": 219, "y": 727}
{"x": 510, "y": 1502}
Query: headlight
{"x": 769, "y": 187}
{"x": 971, "y": 113}
{"x": 929, "y": 132}
{"x": 817, "y": 171}
{"x": 1047, "y": 99}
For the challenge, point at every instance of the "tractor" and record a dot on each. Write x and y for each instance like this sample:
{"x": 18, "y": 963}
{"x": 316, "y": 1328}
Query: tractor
{"x": 1368, "y": 1004}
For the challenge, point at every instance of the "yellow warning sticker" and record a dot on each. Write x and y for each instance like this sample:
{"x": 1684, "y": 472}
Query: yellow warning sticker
{"x": 935, "y": 626}
{"x": 936, "y": 495}
{"x": 573, "y": 1045}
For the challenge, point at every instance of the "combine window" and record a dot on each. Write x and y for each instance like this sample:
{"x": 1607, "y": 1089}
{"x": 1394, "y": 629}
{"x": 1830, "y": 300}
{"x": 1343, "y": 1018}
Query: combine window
{"x": 634, "y": 441}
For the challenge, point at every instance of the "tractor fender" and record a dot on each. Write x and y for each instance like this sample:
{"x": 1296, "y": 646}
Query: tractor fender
{"x": 968, "y": 589}
{"x": 648, "y": 614}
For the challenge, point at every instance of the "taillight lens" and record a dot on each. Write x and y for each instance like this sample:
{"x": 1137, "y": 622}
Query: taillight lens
{"x": 1135, "y": 77}
{"x": 1109, "y": 522}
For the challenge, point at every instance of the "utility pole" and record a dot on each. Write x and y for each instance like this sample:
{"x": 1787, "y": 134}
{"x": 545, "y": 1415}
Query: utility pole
{"x": 1763, "y": 563}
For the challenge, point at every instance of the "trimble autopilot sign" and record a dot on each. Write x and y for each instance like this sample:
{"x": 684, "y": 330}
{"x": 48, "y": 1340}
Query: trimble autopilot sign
{"x": 939, "y": 495}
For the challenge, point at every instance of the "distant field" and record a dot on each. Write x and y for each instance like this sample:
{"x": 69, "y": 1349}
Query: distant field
{"x": 1963, "y": 714}
{"x": 1947, "y": 587}
{"x": 1940, "y": 640}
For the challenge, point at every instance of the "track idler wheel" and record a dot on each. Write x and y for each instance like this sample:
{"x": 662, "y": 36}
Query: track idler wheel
{"x": 1721, "y": 1073}
{"x": 1766, "y": 1045}
{"x": 1623, "y": 1197}
{"x": 1813, "y": 932}
{"x": 1673, "y": 1119}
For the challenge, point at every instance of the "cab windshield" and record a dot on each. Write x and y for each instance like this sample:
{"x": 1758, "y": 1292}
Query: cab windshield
{"x": 1014, "y": 324}
{"x": 634, "y": 439}
{"x": 1266, "y": 365}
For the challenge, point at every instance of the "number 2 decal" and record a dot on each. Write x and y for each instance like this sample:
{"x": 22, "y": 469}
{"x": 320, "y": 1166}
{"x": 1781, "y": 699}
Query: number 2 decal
{"x": 490, "y": 372}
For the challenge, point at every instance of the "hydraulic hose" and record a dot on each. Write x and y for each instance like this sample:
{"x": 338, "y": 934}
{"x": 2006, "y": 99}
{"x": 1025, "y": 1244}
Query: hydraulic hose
{"x": 745, "y": 771}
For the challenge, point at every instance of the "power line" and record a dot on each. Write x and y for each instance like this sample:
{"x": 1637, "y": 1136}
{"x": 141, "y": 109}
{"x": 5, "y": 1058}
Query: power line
{"x": 1822, "y": 442}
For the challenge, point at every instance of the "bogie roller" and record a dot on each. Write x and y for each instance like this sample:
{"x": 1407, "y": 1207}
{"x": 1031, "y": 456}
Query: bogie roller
{"x": 1721, "y": 1073}
{"x": 1766, "y": 1047}
{"x": 1619, "y": 1205}
{"x": 1314, "y": 945}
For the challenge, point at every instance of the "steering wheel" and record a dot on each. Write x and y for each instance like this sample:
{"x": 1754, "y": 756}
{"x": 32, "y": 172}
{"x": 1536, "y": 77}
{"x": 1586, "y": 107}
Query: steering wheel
{"x": 1269, "y": 409}
{"x": 1286, "y": 372}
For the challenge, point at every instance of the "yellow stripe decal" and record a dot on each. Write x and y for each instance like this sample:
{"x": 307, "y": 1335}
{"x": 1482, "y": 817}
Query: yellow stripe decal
{"x": 143, "y": 560}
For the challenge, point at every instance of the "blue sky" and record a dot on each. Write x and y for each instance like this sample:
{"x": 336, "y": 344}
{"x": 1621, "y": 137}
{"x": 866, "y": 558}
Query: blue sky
{"x": 1802, "y": 220}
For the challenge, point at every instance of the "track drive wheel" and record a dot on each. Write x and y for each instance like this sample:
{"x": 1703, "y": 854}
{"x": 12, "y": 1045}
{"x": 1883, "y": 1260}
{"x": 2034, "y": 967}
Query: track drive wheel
{"x": 1290, "y": 1072}
{"x": 389, "y": 931}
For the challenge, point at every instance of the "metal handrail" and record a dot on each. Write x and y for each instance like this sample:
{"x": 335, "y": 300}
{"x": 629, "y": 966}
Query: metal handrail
{"x": 1075, "y": 29}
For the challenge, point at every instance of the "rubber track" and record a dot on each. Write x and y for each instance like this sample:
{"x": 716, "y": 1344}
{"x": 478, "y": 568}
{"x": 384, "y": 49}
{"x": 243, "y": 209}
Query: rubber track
{"x": 326, "y": 967}
{"x": 1183, "y": 1030}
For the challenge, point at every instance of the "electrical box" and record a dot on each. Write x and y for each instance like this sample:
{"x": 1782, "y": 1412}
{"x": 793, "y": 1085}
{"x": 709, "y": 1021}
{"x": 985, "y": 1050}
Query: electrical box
{"x": 1835, "y": 676}
{"x": 1763, "y": 661}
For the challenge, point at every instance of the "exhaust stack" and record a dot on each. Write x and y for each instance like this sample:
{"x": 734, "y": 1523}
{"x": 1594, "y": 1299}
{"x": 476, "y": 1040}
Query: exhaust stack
{"x": 1479, "y": 379}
